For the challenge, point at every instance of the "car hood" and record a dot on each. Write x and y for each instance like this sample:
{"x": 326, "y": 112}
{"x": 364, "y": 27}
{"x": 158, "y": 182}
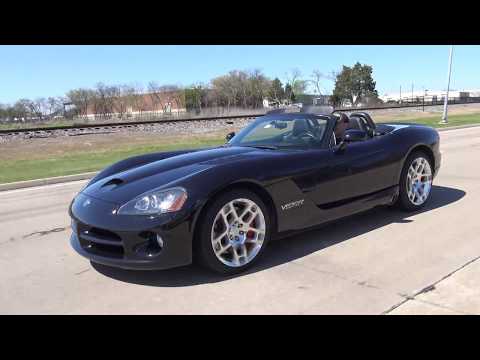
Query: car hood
{"x": 126, "y": 185}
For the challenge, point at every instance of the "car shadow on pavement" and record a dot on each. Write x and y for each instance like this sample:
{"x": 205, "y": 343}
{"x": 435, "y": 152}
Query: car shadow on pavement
{"x": 287, "y": 249}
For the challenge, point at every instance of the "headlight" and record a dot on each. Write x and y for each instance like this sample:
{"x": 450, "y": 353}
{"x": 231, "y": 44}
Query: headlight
{"x": 155, "y": 202}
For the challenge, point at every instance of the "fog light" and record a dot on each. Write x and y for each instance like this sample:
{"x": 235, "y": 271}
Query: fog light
{"x": 152, "y": 247}
{"x": 160, "y": 241}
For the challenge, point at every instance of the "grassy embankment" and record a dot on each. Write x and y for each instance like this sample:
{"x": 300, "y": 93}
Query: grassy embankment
{"x": 26, "y": 168}
{"x": 84, "y": 161}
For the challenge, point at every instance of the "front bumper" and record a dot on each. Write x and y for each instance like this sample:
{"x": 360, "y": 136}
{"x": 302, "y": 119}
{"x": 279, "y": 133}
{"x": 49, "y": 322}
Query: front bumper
{"x": 438, "y": 163}
{"x": 129, "y": 242}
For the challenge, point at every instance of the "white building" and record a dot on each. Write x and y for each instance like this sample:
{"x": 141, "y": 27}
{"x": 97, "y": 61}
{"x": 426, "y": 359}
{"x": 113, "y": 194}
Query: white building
{"x": 428, "y": 94}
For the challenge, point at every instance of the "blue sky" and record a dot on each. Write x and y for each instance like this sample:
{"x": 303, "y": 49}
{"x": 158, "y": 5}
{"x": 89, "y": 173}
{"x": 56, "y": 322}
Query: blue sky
{"x": 35, "y": 71}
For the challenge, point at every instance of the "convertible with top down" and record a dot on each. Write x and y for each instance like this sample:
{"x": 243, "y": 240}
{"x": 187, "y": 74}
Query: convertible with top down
{"x": 221, "y": 206}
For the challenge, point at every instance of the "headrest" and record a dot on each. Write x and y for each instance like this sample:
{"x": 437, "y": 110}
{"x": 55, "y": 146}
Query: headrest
{"x": 355, "y": 123}
{"x": 299, "y": 127}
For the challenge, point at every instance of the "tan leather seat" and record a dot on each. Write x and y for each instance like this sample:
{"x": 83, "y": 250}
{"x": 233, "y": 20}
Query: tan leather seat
{"x": 342, "y": 124}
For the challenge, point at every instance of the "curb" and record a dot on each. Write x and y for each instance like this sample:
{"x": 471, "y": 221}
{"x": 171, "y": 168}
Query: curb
{"x": 46, "y": 181}
{"x": 84, "y": 176}
{"x": 458, "y": 127}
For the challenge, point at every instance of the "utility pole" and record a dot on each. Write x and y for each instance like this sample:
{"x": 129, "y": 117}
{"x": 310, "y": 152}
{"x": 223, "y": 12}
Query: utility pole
{"x": 445, "y": 103}
{"x": 412, "y": 93}
{"x": 400, "y": 94}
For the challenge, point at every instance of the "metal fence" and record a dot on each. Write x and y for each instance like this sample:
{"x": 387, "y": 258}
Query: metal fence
{"x": 416, "y": 101}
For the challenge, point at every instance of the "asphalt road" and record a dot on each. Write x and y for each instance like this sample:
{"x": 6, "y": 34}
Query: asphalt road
{"x": 381, "y": 261}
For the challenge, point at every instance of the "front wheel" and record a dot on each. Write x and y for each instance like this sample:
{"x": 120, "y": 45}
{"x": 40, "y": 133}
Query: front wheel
{"x": 234, "y": 232}
{"x": 415, "y": 182}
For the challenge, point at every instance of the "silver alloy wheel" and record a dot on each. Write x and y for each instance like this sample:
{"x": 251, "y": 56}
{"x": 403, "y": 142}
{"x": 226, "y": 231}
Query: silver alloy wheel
{"x": 419, "y": 181}
{"x": 238, "y": 232}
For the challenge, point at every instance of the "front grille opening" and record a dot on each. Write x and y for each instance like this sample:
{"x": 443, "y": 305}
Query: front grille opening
{"x": 104, "y": 234}
{"x": 91, "y": 238}
{"x": 104, "y": 250}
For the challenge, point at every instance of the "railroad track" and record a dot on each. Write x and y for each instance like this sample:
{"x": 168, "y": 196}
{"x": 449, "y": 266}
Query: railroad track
{"x": 116, "y": 125}
{"x": 84, "y": 129}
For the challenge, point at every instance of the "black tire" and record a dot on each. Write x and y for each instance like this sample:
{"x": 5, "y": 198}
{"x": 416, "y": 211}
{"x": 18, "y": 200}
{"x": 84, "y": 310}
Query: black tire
{"x": 403, "y": 202}
{"x": 204, "y": 252}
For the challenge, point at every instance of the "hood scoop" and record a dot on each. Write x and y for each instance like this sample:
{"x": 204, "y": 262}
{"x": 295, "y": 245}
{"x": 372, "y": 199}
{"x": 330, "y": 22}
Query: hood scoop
{"x": 112, "y": 183}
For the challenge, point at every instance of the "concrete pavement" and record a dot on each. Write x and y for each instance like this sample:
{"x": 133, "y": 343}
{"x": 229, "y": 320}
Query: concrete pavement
{"x": 381, "y": 261}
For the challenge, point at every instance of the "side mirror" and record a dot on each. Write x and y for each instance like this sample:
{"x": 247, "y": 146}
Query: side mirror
{"x": 230, "y": 136}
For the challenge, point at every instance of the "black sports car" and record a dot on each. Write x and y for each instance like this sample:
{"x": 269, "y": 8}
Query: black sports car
{"x": 221, "y": 206}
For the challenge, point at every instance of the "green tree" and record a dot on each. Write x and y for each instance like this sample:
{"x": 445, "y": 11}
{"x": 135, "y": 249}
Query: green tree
{"x": 289, "y": 95}
{"x": 354, "y": 84}
{"x": 193, "y": 97}
{"x": 276, "y": 92}
{"x": 3, "y": 112}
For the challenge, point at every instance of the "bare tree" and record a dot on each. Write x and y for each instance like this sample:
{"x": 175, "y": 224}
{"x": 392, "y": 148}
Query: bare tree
{"x": 139, "y": 99}
{"x": 154, "y": 92}
{"x": 121, "y": 101}
{"x": 83, "y": 100}
{"x": 259, "y": 85}
{"x": 105, "y": 100}
{"x": 33, "y": 109}
{"x": 38, "y": 107}
{"x": 296, "y": 83}
{"x": 316, "y": 80}
{"x": 128, "y": 98}
{"x": 171, "y": 94}
{"x": 54, "y": 105}
{"x": 177, "y": 97}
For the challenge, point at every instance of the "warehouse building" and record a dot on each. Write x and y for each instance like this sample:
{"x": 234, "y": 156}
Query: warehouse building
{"x": 430, "y": 95}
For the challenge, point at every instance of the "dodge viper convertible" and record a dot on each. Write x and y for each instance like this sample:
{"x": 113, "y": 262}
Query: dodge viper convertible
{"x": 221, "y": 206}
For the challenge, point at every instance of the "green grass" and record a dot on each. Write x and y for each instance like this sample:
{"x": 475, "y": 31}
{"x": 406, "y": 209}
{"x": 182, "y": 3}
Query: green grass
{"x": 81, "y": 162}
{"x": 86, "y": 161}
{"x": 453, "y": 120}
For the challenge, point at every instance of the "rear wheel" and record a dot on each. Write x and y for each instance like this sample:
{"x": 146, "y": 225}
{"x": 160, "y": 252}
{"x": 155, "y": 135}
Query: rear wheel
{"x": 234, "y": 232}
{"x": 415, "y": 182}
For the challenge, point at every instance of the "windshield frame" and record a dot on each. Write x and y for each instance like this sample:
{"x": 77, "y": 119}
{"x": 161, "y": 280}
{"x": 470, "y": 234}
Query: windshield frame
{"x": 324, "y": 143}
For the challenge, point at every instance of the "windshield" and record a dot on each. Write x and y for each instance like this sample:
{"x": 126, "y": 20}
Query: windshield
{"x": 282, "y": 132}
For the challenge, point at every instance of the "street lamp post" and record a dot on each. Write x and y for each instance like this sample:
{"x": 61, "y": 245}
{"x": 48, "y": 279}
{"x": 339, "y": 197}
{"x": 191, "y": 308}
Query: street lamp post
{"x": 445, "y": 103}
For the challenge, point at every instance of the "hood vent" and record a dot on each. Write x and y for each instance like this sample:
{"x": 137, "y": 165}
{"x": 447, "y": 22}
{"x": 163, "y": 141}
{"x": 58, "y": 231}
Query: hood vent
{"x": 112, "y": 183}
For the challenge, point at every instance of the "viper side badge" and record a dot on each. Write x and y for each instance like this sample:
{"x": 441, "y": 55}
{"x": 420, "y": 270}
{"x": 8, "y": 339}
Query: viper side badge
{"x": 293, "y": 204}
